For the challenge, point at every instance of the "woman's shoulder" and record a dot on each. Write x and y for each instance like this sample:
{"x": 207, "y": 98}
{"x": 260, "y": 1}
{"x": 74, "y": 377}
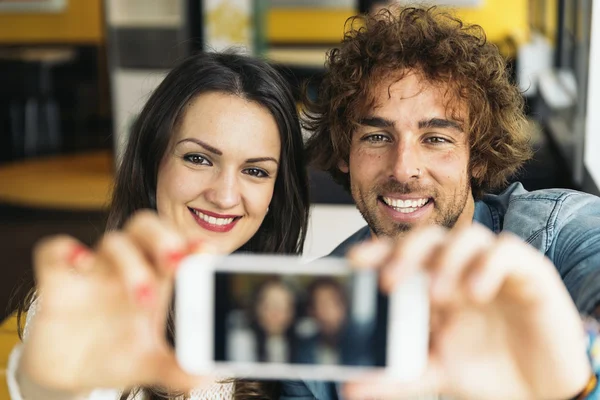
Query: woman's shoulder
{"x": 216, "y": 391}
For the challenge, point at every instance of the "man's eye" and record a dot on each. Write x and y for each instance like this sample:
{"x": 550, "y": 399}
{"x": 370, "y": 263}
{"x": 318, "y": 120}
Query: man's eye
{"x": 257, "y": 172}
{"x": 436, "y": 140}
{"x": 196, "y": 159}
{"x": 376, "y": 138}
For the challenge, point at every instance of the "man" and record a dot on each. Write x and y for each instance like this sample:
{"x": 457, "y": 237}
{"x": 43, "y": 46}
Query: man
{"x": 327, "y": 305}
{"x": 339, "y": 338}
{"x": 417, "y": 118}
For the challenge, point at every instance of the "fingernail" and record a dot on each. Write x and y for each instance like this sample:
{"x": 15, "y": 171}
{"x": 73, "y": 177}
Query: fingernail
{"x": 388, "y": 280}
{"x": 351, "y": 392}
{"x": 365, "y": 253}
{"x": 477, "y": 287}
{"x": 144, "y": 294}
{"x": 195, "y": 246}
{"x": 77, "y": 255}
{"x": 438, "y": 288}
{"x": 174, "y": 258}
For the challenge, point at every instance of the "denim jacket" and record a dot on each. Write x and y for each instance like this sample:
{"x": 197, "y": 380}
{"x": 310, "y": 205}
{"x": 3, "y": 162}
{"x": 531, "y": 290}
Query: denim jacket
{"x": 563, "y": 224}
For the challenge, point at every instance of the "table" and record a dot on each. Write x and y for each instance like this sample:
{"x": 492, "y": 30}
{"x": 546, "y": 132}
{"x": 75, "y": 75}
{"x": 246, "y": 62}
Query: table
{"x": 81, "y": 181}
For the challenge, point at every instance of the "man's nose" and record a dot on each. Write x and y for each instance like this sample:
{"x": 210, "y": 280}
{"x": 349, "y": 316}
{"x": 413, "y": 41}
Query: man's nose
{"x": 405, "y": 163}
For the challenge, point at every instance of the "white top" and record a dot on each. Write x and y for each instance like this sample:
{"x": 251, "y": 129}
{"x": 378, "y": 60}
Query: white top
{"x": 244, "y": 348}
{"x": 327, "y": 355}
{"x": 277, "y": 349}
{"x": 218, "y": 391}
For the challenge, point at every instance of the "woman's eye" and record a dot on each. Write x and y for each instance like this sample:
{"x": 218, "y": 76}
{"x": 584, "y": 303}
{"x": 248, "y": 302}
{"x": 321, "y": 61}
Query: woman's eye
{"x": 196, "y": 159}
{"x": 257, "y": 172}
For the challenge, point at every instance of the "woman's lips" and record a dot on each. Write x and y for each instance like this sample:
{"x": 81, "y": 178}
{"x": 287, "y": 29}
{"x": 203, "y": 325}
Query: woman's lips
{"x": 214, "y": 222}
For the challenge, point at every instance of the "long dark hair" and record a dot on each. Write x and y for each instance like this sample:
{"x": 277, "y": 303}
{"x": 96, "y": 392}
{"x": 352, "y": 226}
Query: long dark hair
{"x": 284, "y": 227}
{"x": 259, "y": 332}
{"x": 445, "y": 50}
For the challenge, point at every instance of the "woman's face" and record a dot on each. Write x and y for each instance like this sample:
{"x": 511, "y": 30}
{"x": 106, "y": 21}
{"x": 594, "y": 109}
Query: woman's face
{"x": 217, "y": 177}
{"x": 275, "y": 309}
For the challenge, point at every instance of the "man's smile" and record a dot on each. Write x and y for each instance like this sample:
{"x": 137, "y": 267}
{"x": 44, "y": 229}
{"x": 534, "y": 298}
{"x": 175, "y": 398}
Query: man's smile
{"x": 408, "y": 205}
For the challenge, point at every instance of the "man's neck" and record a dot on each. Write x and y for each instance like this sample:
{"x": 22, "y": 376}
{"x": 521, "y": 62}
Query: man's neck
{"x": 466, "y": 217}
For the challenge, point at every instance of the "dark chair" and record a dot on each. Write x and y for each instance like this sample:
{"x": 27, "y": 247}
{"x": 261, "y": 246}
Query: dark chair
{"x": 31, "y": 113}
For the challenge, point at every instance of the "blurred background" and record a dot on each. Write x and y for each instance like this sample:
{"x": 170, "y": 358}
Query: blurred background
{"x": 75, "y": 73}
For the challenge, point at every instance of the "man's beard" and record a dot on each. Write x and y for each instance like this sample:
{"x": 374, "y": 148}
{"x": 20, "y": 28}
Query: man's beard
{"x": 446, "y": 217}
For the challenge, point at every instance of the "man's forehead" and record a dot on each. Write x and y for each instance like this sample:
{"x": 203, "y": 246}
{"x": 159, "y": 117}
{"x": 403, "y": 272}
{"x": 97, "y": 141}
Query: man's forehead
{"x": 408, "y": 84}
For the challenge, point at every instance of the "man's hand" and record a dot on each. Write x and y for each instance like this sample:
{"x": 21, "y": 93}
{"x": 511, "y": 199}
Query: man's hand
{"x": 503, "y": 326}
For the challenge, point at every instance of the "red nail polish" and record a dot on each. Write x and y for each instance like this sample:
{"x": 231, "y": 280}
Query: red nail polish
{"x": 144, "y": 294}
{"x": 174, "y": 258}
{"x": 195, "y": 245}
{"x": 78, "y": 253}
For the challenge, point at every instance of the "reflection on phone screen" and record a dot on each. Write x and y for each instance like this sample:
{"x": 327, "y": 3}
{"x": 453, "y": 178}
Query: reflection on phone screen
{"x": 299, "y": 319}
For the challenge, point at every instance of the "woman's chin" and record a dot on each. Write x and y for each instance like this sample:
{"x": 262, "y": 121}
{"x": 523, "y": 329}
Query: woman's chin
{"x": 216, "y": 242}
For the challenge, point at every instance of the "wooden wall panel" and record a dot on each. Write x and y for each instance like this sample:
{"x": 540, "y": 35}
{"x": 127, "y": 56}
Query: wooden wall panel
{"x": 81, "y": 23}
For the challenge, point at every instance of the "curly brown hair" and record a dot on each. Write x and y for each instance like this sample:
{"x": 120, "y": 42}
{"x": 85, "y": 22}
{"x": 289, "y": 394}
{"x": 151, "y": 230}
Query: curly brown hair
{"x": 443, "y": 50}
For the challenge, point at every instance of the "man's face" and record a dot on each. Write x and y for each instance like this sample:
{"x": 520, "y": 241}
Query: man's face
{"x": 409, "y": 158}
{"x": 329, "y": 309}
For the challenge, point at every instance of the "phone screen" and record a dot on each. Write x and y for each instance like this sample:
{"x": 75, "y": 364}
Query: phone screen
{"x": 337, "y": 319}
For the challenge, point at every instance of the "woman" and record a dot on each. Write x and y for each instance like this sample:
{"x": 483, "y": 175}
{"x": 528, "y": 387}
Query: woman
{"x": 265, "y": 332}
{"x": 273, "y": 322}
{"x": 217, "y": 152}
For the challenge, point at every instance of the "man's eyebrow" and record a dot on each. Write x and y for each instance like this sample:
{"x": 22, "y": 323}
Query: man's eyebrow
{"x": 440, "y": 123}
{"x": 200, "y": 143}
{"x": 376, "y": 122}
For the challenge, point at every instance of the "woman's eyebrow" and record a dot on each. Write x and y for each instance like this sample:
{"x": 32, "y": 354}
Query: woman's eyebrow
{"x": 200, "y": 143}
{"x": 262, "y": 159}
{"x": 218, "y": 152}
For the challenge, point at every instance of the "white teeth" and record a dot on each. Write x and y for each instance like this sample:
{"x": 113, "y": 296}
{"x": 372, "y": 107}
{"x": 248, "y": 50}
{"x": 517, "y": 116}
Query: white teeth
{"x": 407, "y": 210}
{"x": 213, "y": 220}
{"x": 405, "y": 206}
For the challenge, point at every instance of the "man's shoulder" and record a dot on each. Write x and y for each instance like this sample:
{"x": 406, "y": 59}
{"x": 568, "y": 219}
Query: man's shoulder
{"x": 361, "y": 235}
{"x": 539, "y": 215}
{"x": 517, "y": 198}
{"x": 516, "y": 193}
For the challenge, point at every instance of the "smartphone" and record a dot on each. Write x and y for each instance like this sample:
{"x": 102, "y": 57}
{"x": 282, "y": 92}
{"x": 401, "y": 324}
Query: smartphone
{"x": 280, "y": 317}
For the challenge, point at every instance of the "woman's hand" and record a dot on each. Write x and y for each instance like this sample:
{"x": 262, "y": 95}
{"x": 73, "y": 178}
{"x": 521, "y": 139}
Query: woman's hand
{"x": 102, "y": 313}
{"x": 503, "y": 325}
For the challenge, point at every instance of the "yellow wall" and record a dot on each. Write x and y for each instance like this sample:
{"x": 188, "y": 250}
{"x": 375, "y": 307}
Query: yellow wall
{"x": 546, "y": 19}
{"x": 8, "y": 339}
{"x": 499, "y": 19}
{"x": 551, "y": 18}
{"x": 304, "y": 25}
{"x": 81, "y": 22}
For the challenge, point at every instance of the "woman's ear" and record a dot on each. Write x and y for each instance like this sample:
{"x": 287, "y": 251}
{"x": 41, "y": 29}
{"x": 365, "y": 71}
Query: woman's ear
{"x": 343, "y": 166}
